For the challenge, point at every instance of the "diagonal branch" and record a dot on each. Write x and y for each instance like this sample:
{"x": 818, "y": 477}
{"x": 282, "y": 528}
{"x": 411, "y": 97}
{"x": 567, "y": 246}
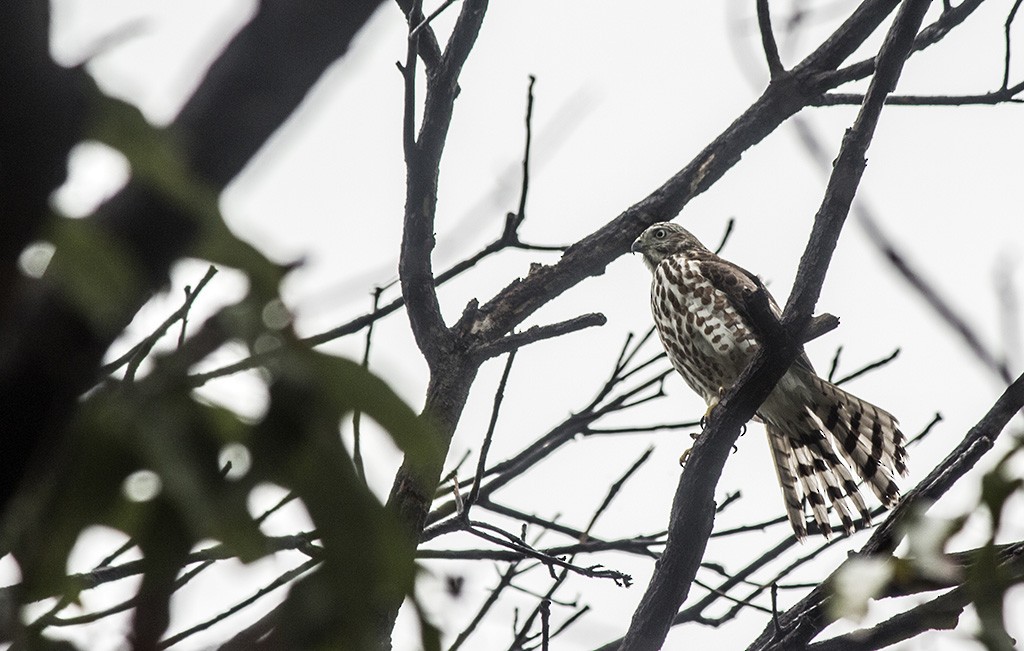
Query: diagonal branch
{"x": 940, "y": 613}
{"x": 693, "y": 507}
{"x": 942, "y": 308}
{"x": 930, "y": 35}
{"x": 849, "y": 166}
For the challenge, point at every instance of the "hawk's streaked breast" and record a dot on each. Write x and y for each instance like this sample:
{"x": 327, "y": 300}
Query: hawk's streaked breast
{"x": 710, "y": 341}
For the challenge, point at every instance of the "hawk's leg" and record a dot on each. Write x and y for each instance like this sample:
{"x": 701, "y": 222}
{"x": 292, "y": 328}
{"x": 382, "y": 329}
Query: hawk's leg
{"x": 686, "y": 453}
{"x": 704, "y": 424}
{"x": 711, "y": 406}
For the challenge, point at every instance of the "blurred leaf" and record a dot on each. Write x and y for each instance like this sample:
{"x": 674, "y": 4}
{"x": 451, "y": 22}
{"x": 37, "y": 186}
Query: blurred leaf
{"x": 430, "y": 635}
{"x": 151, "y": 425}
{"x": 359, "y": 389}
{"x": 165, "y": 544}
{"x": 927, "y": 538}
{"x": 857, "y": 582}
{"x": 367, "y": 558}
{"x": 988, "y": 577}
{"x": 988, "y": 582}
{"x": 157, "y": 162}
{"x": 996, "y": 488}
{"x": 94, "y": 271}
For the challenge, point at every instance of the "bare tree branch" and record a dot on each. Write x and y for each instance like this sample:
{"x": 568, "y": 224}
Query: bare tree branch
{"x": 1006, "y": 35}
{"x": 139, "y": 351}
{"x": 540, "y": 333}
{"x": 771, "y": 49}
{"x": 944, "y": 310}
{"x": 481, "y": 463}
{"x": 1000, "y": 96}
{"x": 693, "y": 507}
{"x": 941, "y": 613}
{"x": 930, "y": 35}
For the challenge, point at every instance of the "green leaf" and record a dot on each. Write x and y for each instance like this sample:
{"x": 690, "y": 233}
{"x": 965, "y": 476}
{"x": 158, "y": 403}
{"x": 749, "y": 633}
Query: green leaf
{"x": 157, "y": 162}
{"x": 430, "y": 635}
{"x": 95, "y": 273}
{"x": 368, "y": 560}
{"x": 996, "y": 488}
{"x": 152, "y": 425}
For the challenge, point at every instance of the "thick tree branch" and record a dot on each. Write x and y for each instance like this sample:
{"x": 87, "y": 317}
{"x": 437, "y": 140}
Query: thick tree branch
{"x": 941, "y": 613}
{"x": 850, "y": 164}
{"x": 40, "y": 120}
{"x": 930, "y": 35}
{"x": 693, "y": 508}
{"x": 423, "y": 159}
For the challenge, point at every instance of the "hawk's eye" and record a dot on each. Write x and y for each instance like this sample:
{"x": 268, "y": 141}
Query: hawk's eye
{"x": 659, "y": 234}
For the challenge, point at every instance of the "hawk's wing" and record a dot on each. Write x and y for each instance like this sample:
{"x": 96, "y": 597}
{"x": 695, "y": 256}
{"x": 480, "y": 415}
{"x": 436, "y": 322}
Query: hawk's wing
{"x": 740, "y": 285}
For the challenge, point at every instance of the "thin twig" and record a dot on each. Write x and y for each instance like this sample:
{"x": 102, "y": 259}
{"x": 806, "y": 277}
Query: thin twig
{"x": 638, "y": 546}
{"x": 140, "y": 350}
{"x": 617, "y": 486}
{"x": 729, "y": 226}
{"x": 280, "y": 581}
{"x": 357, "y": 451}
{"x": 507, "y": 239}
{"x": 540, "y": 333}
{"x": 835, "y": 364}
{"x": 1001, "y": 96}
{"x": 429, "y": 19}
{"x": 868, "y": 368}
{"x": 545, "y": 623}
{"x": 1006, "y": 33}
{"x": 499, "y": 395}
{"x": 521, "y": 213}
{"x": 492, "y": 598}
{"x": 771, "y": 49}
{"x": 593, "y": 571}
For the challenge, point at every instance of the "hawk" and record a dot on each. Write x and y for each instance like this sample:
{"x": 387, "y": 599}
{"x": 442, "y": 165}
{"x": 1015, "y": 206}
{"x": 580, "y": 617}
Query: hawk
{"x": 817, "y": 432}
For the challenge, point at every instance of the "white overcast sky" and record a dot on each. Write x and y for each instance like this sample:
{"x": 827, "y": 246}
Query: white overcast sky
{"x": 626, "y": 94}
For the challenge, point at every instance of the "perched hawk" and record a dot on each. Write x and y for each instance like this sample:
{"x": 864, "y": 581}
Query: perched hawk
{"x": 816, "y": 430}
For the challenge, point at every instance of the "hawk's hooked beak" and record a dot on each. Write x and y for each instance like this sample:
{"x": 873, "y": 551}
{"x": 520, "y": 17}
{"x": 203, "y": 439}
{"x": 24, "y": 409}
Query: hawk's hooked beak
{"x": 637, "y": 246}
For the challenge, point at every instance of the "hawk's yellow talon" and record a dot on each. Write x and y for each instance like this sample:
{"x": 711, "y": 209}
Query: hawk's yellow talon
{"x": 711, "y": 406}
{"x": 686, "y": 453}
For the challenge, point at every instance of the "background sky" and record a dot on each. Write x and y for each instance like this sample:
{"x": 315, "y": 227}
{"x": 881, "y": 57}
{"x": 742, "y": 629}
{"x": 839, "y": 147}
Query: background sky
{"x": 625, "y": 96}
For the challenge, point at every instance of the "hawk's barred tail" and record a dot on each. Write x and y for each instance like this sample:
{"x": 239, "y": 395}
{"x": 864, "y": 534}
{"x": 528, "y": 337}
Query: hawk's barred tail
{"x": 803, "y": 454}
{"x": 868, "y": 437}
{"x": 785, "y": 470}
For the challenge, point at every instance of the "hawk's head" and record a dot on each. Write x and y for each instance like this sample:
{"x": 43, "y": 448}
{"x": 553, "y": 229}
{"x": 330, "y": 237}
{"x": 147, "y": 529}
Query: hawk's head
{"x": 665, "y": 239}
